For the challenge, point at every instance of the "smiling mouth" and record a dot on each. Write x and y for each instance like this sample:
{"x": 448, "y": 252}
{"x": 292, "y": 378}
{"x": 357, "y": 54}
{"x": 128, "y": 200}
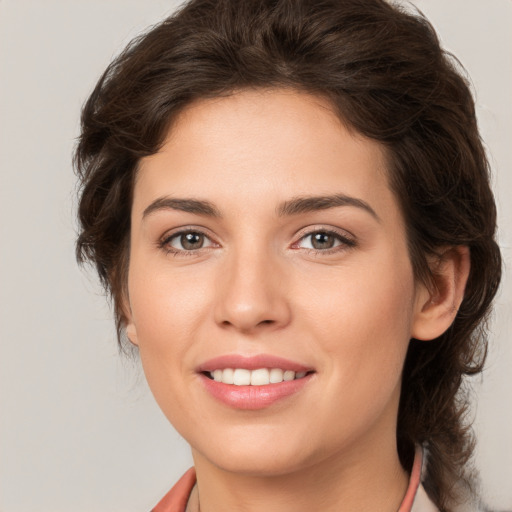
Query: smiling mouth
{"x": 258, "y": 377}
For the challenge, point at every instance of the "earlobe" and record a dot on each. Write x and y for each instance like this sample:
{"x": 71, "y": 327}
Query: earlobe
{"x": 131, "y": 333}
{"x": 130, "y": 329}
{"x": 437, "y": 306}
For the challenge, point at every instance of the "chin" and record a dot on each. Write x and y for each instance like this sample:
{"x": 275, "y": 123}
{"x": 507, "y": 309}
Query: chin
{"x": 256, "y": 454}
{"x": 267, "y": 465}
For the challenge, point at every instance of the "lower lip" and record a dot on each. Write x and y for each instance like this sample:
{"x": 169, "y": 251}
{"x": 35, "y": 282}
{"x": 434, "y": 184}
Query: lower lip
{"x": 253, "y": 397}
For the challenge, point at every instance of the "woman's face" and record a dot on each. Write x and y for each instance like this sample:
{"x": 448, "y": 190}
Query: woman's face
{"x": 265, "y": 237}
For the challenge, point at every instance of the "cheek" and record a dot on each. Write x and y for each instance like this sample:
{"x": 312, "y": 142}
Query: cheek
{"x": 363, "y": 321}
{"x": 363, "y": 329}
{"x": 166, "y": 312}
{"x": 165, "y": 305}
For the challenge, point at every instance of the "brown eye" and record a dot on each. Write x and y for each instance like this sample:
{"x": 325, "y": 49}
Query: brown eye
{"x": 322, "y": 240}
{"x": 191, "y": 241}
{"x": 188, "y": 241}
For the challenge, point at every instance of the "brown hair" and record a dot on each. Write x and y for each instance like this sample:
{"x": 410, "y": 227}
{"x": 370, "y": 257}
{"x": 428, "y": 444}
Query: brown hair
{"x": 383, "y": 69}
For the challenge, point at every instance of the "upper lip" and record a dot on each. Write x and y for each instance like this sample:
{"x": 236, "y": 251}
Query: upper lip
{"x": 251, "y": 363}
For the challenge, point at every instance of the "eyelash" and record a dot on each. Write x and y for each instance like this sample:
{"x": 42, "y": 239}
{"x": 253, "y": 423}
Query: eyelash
{"x": 165, "y": 242}
{"x": 345, "y": 242}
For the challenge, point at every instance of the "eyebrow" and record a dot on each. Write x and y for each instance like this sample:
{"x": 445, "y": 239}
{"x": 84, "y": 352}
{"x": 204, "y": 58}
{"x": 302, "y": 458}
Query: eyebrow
{"x": 307, "y": 204}
{"x": 199, "y": 207}
{"x": 295, "y": 206}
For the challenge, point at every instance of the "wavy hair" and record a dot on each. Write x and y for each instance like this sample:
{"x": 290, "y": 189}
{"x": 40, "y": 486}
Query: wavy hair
{"x": 384, "y": 72}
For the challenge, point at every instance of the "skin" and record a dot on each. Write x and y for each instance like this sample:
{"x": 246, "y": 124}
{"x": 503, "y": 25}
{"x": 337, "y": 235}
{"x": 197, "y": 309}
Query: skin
{"x": 258, "y": 286}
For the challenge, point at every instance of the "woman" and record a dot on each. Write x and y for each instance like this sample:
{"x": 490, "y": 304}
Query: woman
{"x": 289, "y": 202}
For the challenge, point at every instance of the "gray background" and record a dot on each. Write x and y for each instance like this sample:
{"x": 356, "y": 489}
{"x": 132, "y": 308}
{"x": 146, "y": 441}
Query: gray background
{"x": 78, "y": 428}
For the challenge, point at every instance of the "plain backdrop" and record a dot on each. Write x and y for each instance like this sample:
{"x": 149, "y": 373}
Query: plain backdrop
{"x": 78, "y": 428}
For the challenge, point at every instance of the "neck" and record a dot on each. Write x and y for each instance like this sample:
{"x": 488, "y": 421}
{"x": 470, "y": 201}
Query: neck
{"x": 369, "y": 477}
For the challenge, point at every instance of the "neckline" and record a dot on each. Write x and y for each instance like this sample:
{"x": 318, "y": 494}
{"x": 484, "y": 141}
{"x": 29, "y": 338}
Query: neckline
{"x": 177, "y": 498}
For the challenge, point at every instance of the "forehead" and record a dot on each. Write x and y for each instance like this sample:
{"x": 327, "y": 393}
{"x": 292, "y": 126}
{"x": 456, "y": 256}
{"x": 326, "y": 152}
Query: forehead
{"x": 263, "y": 143}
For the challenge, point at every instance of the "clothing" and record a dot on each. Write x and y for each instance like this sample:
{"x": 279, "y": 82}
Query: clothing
{"x": 415, "y": 500}
{"x": 176, "y": 499}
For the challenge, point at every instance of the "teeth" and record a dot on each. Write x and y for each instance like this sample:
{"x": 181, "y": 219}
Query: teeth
{"x": 288, "y": 375}
{"x": 259, "y": 377}
{"x": 276, "y": 375}
{"x": 241, "y": 377}
{"x": 227, "y": 375}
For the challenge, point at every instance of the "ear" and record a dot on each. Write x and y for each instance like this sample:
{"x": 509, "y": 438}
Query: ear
{"x": 437, "y": 305}
{"x": 131, "y": 333}
{"x": 130, "y": 329}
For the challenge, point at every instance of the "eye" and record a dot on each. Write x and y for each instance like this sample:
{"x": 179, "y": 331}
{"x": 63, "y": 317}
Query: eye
{"x": 320, "y": 241}
{"x": 186, "y": 241}
{"x": 323, "y": 240}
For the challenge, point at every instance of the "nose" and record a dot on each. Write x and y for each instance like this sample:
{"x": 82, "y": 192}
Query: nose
{"x": 252, "y": 293}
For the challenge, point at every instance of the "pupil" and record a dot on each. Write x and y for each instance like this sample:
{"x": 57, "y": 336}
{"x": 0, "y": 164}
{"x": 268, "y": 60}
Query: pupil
{"x": 192, "y": 241}
{"x": 322, "y": 241}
